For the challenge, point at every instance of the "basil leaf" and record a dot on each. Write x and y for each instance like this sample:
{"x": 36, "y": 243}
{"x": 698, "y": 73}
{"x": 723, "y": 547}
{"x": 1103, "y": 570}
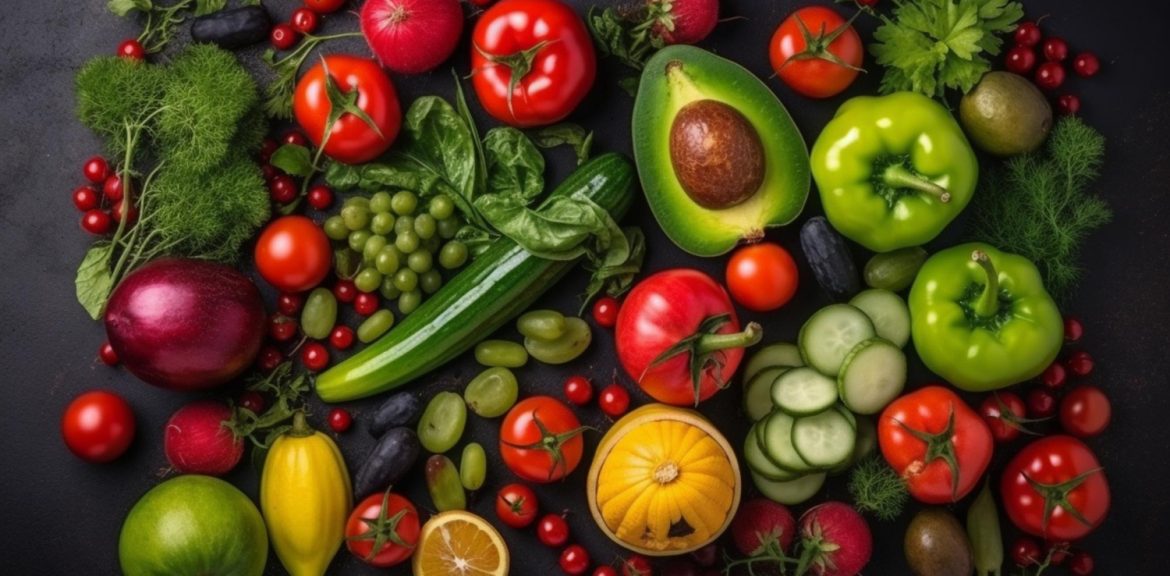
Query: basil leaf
{"x": 563, "y": 134}
{"x": 294, "y": 160}
{"x": 94, "y": 280}
{"x": 203, "y": 7}
{"x": 515, "y": 166}
{"x": 124, "y": 7}
{"x": 617, "y": 277}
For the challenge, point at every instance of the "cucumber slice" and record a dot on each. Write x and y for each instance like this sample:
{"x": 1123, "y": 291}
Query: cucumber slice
{"x": 791, "y": 492}
{"x": 888, "y": 312}
{"x": 848, "y": 415}
{"x": 757, "y": 393}
{"x": 778, "y": 355}
{"x": 863, "y": 446}
{"x": 874, "y": 374}
{"x": 829, "y": 335}
{"x": 759, "y": 462}
{"x": 824, "y": 440}
{"x": 804, "y": 391}
{"x": 777, "y": 443}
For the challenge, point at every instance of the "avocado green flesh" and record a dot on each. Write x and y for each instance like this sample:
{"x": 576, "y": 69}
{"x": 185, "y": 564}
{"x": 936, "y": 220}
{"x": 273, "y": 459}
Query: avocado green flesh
{"x": 678, "y": 75}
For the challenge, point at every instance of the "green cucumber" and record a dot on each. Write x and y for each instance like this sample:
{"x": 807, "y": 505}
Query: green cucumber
{"x": 495, "y": 288}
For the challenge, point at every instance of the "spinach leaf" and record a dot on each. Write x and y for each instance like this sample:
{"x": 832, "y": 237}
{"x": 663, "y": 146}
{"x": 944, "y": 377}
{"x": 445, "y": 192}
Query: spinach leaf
{"x": 294, "y": 160}
{"x": 515, "y": 166}
{"x": 560, "y": 229}
{"x": 94, "y": 280}
{"x": 563, "y": 134}
{"x": 613, "y": 275}
{"x": 440, "y": 142}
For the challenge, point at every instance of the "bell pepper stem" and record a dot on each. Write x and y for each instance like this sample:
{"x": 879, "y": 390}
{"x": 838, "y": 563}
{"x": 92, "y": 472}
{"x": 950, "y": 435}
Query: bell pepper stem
{"x": 751, "y": 335}
{"x": 898, "y": 176}
{"x": 300, "y": 426}
{"x": 988, "y": 303}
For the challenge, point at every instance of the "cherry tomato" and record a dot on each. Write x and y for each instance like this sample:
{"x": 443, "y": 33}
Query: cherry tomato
{"x": 269, "y": 172}
{"x": 1041, "y": 403}
{"x": 516, "y": 505}
{"x": 1057, "y": 553}
{"x": 345, "y": 291}
{"x": 107, "y": 354}
{"x": 1068, "y": 104}
{"x": 289, "y": 303}
{"x": 816, "y": 52}
{"x": 552, "y": 531}
{"x": 1025, "y": 551}
{"x": 1080, "y": 363}
{"x": 605, "y": 311}
{"x": 614, "y": 400}
{"x": 267, "y": 147}
{"x": 324, "y": 6}
{"x": 283, "y": 36}
{"x": 281, "y": 328}
{"x": 762, "y": 277}
{"x": 304, "y": 20}
{"x": 86, "y": 198}
{"x": 269, "y": 358}
{"x": 605, "y": 571}
{"x": 637, "y": 565}
{"x": 1055, "y": 489}
{"x": 1020, "y": 59}
{"x": 282, "y": 189}
{"x": 1080, "y": 564}
{"x": 1050, "y": 75}
{"x": 1073, "y": 329}
{"x": 1004, "y": 414}
{"x": 1054, "y": 376}
{"x": 96, "y": 222}
{"x": 320, "y": 197}
{"x": 578, "y": 390}
{"x": 540, "y": 439}
{"x": 293, "y": 254}
{"x": 1027, "y": 34}
{"x": 131, "y": 49}
{"x": 112, "y": 188}
{"x": 1085, "y": 411}
{"x": 1055, "y": 49}
{"x": 341, "y": 338}
{"x": 96, "y": 169}
{"x": 349, "y": 140}
{"x": 295, "y": 138}
{"x": 548, "y": 43}
{"x": 365, "y": 303}
{"x": 314, "y": 356}
{"x": 340, "y": 420}
{"x": 1086, "y": 65}
{"x": 252, "y": 401}
{"x": 574, "y": 560}
{"x": 98, "y": 426}
{"x": 131, "y": 212}
{"x": 382, "y": 530}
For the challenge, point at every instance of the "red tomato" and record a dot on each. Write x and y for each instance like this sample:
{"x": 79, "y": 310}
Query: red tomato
{"x": 340, "y": 420}
{"x": 540, "y": 439}
{"x": 614, "y": 400}
{"x": 578, "y": 390}
{"x": 516, "y": 505}
{"x": 385, "y": 514}
{"x": 324, "y": 6}
{"x": 935, "y": 421}
{"x": 1004, "y": 414}
{"x": 1055, "y": 489}
{"x": 96, "y": 169}
{"x": 762, "y": 277}
{"x": 548, "y": 44}
{"x": 131, "y": 49}
{"x": 1085, "y": 411}
{"x": 816, "y": 52}
{"x": 552, "y": 531}
{"x": 574, "y": 560}
{"x": 98, "y": 426}
{"x": 637, "y": 566}
{"x": 350, "y": 140}
{"x": 293, "y": 254}
{"x": 672, "y": 307}
{"x": 605, "y": 311}
{"x": 304, "y": 20}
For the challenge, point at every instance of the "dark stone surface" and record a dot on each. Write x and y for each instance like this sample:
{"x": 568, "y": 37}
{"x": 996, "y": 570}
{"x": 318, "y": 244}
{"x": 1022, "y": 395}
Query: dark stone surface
{"x": 62, "y": 516}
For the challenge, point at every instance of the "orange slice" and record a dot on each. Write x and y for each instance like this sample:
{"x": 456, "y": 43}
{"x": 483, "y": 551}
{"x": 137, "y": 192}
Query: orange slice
{"x": 458, "y": 543}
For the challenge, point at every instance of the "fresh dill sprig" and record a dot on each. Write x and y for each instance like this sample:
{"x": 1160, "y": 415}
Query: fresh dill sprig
{"x": 112, "y": 91}
{"x": 1040, "y": 206}
{"x": 876, "y": 488}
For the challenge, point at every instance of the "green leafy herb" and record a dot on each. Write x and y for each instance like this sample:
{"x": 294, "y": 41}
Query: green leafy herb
{"x": 566, "y": 134}
{"x": 930, "y": 46}
{"x": 1040, "y": 206}
{"x": 514, "y": 164}
{"x": 112, "y": 91}
{"x": 161, "y": 21}
{"x": 876, "y": 488}
{"x": 214, "y": 216}
{"x": 294, "y": 160}
{"x": 279, "y": 94}
{"x": 627, "y": 33}
{"x": 94, "y": 280}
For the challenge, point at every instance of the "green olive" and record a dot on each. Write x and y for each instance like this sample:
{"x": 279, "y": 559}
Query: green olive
{"x": 568, "y": 347}
{"x": 500, "y": 353}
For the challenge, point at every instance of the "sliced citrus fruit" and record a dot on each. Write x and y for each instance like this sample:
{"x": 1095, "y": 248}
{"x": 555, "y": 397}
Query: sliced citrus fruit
{"x": 458, "y": 543}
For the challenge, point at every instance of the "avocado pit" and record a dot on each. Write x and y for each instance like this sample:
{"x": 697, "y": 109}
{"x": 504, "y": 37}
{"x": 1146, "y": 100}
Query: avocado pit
{"x": 716, "y": 154}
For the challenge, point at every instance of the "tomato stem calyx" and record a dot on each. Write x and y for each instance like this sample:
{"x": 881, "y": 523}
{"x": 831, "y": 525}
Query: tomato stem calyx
{"x": 817, "y": 47}
{"x": 551, "y": 443}
{"x": 519, "y": 65}
{"x": 1057, "y": 495}
{"x": 938, "y": 447}
{"x": 706, "y": 348}
{"x": 382, "y": 529}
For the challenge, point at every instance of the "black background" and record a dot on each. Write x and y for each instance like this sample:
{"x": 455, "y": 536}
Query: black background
{"x": 62, "y": 515}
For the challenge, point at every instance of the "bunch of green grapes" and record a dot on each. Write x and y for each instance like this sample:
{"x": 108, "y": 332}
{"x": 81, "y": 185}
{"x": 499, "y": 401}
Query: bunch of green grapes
{"x": 401, "y": 246}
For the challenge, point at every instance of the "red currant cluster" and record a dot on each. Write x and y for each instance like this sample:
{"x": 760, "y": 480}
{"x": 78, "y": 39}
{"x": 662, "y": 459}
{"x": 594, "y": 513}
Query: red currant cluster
{"x": 1049, "y": 74}
{"x": 102, "y": 201}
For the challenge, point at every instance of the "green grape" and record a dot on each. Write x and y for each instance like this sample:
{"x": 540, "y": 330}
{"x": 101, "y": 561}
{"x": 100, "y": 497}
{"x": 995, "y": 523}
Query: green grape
{"x": 380, "y": 202}
{"x": 425, "y": 226}
{"x": 443, "y": 482}
{"x": 355, "y": 217}
{"x": 449, "y": 228}
{"x": 361, "y": 201}
{"x": 441, "y": 207}
{"x": 373, "y": 246}
{"x": 453, "y": 255}
{"x": 407, "y": 242}
{"x": 473, "y": 466}
{"x": 335, "y": 229}
{"x": 568, "y": 347}
{"x": 404, "y": 224}
{"x": 368, "y": 280}
{"x": 357, "y": 240}
{"x": 430, "y": 281}
{"x": 547, "y": 325}
{"x": 387, "y": 260}
{"x": 404, "y": 203}
{"x": 441, "y": 425}
{"x": 405, "y": 280}
{"x": 492, "y": 393}
{"x": 409, "y": 301}
{"x": 420, "y": 261}
{"x": 376, "y": 325}
{"x": 319, "y": 313}
{"x": 501, "y": 353}
{"x": 389, "y": 290}
{"x": 432, "y": 244}
{"x": 382, "y": 223}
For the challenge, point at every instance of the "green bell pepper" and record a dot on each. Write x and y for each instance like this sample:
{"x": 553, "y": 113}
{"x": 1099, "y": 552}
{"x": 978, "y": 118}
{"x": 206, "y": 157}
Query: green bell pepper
{"x": 893, "y": 170}
{"x": 981, "y": 318}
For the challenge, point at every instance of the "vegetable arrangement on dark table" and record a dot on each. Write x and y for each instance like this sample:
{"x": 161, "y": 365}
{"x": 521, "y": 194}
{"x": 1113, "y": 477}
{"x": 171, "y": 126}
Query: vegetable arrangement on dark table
{"x": 520, "y": 286}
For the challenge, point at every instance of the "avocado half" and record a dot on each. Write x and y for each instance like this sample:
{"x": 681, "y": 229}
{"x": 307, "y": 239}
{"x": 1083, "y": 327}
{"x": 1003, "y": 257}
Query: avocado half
{"x": 679, "y": 75}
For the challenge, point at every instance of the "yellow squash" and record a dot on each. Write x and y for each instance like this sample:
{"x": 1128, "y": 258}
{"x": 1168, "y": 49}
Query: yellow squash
{"x": 305, "y": 496}
{"x": 663, "y": 481}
